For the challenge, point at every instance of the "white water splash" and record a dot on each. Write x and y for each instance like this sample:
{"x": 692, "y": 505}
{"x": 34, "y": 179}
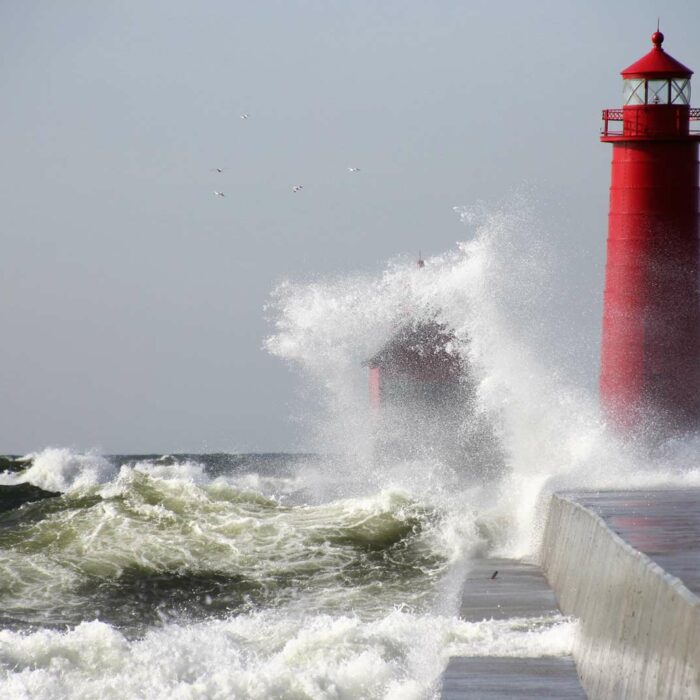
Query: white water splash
{"x": 60, "y": 469}
{"x": 495, "y": 292}
{"x": 262, "y": 656}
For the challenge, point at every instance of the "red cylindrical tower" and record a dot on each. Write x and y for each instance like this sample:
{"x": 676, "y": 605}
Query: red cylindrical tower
{"x": 650, "y": 369}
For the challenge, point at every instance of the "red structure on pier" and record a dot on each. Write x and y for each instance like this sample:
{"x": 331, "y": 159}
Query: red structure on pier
{"x": 417, "y": 391}
{"x": 651, "y": 325}
{"x": 420, "y": 360}
{"x": 415, "y": 362}
{"x": 423, "y": 399}
{"x": 418, "y": 394}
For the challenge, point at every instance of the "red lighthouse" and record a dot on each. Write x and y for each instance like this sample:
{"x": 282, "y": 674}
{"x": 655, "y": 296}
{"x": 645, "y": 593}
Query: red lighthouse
{"x": 650, "y": 371}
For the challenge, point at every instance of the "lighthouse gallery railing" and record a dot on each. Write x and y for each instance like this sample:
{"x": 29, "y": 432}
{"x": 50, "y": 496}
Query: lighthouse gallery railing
{"x": 616, "y": 115}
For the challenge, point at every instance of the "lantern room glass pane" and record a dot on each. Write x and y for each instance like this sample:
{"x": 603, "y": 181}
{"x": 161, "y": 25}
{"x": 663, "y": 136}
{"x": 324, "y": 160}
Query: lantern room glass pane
{"x": 680, "y": 91}
{"x": 658, "y": 92}
{"x": 633, "y": 92}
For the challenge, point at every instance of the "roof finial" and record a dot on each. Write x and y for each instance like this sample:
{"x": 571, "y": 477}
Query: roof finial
{"x": 657, "y": 38}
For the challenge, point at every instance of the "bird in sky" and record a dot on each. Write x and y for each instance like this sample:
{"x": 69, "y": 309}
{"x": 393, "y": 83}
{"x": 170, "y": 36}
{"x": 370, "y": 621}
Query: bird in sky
{"x": 217, "y": 170}
{"x": 353, "y": 170}
{"x": 219, "y": 194}
{"x": 297, "y": 188}
{"x": 245, "y": 115}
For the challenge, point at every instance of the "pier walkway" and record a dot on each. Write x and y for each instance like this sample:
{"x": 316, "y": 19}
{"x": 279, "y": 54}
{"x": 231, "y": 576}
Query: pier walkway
{"x": 519, "y": 590}
{"x": 626, "y": 564}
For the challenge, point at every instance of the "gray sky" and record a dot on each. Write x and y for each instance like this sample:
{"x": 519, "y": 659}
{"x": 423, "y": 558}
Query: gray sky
{"x": 132, "y": 299}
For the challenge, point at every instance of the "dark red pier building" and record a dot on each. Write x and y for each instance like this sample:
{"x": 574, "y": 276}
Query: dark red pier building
{"x": 423, "y": 401}
{"x": 417, "y": 362}
{"x": 650, "y": 367}
{"x": 417, "y": 393}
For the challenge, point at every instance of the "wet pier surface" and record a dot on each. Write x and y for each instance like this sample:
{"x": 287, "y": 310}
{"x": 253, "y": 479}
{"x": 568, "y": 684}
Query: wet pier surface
{"x": 517, "y": 590}
{"x": 499, "y": 678}
{"x": 664, "y": 524}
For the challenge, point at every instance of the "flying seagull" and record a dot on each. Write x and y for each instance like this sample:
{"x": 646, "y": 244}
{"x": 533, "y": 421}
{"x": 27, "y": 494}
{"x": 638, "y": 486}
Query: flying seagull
{"x": 217, "y": 170}
{"x": 297, "y": 188}
{"x": 219, "y": 194}
{"x": 245, "y": 115}
{"x": 353, "y": 170}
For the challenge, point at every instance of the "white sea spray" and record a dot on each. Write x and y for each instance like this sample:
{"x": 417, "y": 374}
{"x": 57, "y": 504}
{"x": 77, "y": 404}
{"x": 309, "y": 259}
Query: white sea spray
{"x": 496, "y": 292}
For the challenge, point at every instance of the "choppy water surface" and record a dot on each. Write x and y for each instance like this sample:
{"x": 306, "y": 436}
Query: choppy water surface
{"x": 174, "y": 538}
{"x": 233, "y": 576}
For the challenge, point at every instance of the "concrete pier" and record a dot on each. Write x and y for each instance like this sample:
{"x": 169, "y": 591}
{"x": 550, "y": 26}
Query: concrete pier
{"x": 518, "y": 590}
{"x": 627, "y": 564}
{"x": 499, "y": 678}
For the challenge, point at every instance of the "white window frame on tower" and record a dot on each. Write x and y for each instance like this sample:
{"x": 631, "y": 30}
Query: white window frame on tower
{"x": 658, "y": 91}
{"x": 680, "y": 91}
{"x": 633, "y": 91}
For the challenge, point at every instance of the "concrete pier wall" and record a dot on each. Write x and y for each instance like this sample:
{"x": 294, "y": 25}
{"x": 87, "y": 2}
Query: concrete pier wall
{"x": 639, "y": 626}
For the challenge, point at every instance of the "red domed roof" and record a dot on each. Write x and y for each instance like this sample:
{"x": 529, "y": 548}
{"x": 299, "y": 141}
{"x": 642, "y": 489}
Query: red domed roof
{"x": 657, "y": 63}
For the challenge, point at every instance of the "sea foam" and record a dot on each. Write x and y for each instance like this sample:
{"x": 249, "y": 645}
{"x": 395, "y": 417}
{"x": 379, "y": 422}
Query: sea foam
{"x": 268, "y": 654}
